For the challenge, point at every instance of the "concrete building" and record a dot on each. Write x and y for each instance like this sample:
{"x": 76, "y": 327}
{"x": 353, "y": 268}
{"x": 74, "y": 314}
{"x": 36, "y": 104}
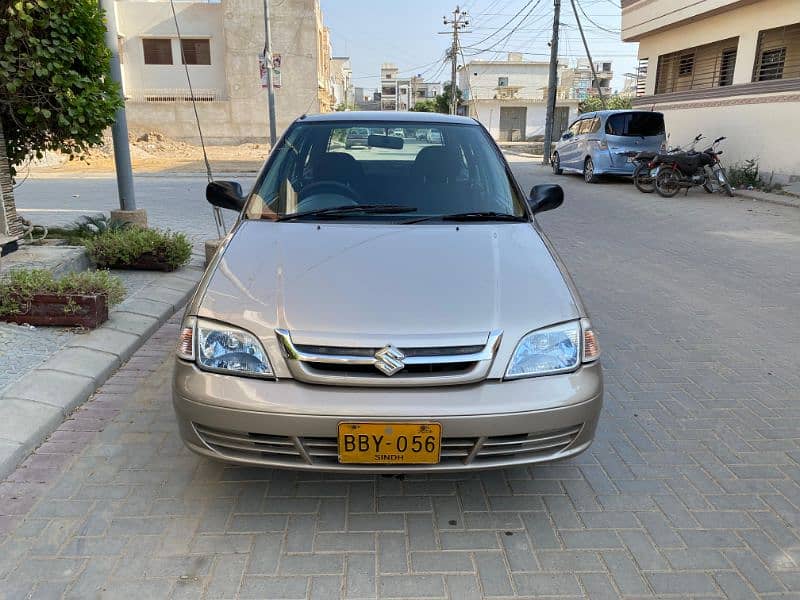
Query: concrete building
{"x": 578, "y": 81}
{"x": 342, "y": 82}
{"x": 723, "y": 67}
{"x": 402, "y": 93}
{"x": 510, "y": 97}
{"x": 221, "y": 44}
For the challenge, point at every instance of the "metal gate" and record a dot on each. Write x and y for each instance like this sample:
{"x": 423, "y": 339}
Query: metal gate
{"x": 512, "y": 123}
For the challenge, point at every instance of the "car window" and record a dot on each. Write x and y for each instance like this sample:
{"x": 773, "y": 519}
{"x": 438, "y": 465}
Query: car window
{"x": 573, "y": 129}
{"x": 635, "y": 124}
{"x": 436, "y": 170}
{"x": 593, "y": 126}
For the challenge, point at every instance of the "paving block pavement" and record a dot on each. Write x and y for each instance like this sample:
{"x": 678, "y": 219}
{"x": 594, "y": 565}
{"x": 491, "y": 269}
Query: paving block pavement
{"x": 691, "y": 490}
{"x": 40, "y": 399}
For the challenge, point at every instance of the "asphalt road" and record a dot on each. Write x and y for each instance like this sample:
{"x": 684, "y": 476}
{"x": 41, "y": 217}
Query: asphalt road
{"x": 692, "y": 488}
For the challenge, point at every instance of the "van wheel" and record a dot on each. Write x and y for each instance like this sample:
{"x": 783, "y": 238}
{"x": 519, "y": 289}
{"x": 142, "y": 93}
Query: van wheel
{"x": 555, "y": 162}
{"x": 588, "y": 172}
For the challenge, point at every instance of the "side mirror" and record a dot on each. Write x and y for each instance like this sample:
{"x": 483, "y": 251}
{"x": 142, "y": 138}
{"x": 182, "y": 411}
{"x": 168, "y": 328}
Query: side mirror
{"x": 566, "y": 135}
{"x": 546, "y": 196}
{"x": 226, "y": 194}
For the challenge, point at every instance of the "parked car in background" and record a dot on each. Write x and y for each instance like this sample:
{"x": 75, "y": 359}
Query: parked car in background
{"x": 600, "y": 143}
{"x": 434, "y": 136}
{"x": 389, "y": 311}
{"x": 356, "y": 136}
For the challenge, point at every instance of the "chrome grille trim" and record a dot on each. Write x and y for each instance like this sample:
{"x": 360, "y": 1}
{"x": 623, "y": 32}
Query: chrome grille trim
{"x": 469, "y": 363}
{"x": 323, "y": 451}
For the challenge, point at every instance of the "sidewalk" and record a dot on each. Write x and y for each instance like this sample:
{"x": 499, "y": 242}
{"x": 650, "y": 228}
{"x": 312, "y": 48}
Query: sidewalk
{"x": 48, "y": 372}
{"x": 784, "y": 199}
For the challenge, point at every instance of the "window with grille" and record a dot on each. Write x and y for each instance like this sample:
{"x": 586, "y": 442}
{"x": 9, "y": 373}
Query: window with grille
{"x": 157, "y": 51}
{"x": 702, "y": 67}
{"x": 778, "y": 53}
{"x": 686, "y": 65}
{"x": 196, "y": 51}
{"x": 641, "y": 77}
{"x": 727, "y": 65}
{"x": 502, "y": 82}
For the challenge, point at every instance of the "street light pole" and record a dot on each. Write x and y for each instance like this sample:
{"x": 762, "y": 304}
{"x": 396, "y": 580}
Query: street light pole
{"x": 119, "y": 129}
{"x": 270, "y": 84}
{"x": 552, "y": 85}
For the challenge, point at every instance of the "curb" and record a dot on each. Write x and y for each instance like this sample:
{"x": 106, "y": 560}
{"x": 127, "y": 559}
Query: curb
{"x": 33, "y": 407}
{"x": 771, "y": 198}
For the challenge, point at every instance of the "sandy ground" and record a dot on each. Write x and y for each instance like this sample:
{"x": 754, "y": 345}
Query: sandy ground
{"x": 152, "y": 152}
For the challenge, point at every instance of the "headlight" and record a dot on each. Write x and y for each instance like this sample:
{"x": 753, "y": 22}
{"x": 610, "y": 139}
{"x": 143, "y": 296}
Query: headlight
{"x": 223, "y": 348}
{"x": 546, "y": 351}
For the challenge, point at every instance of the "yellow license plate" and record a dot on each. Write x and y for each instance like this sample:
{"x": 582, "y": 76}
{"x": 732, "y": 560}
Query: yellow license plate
{"x": 390, "y": 443}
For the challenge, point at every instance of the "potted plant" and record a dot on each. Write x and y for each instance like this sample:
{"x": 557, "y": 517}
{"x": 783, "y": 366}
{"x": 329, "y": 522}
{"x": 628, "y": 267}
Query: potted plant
{"x": 36, "y": 297}
{"x": 138, "y": 248}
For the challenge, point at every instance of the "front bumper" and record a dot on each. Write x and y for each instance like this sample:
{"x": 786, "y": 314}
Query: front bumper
{"x": 294, "y": 425}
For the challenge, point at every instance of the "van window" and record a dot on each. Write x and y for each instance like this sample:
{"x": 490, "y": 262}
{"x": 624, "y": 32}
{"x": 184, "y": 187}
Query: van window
{"x": 635, "y": 124}
{"x": 590, "y": 125}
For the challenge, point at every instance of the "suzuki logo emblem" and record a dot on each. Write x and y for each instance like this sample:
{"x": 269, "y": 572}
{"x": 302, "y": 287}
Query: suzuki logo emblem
{"x": 389, "y": 360}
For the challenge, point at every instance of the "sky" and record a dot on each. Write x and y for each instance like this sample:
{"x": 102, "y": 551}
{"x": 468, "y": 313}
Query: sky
{"x": 405, "y": 32}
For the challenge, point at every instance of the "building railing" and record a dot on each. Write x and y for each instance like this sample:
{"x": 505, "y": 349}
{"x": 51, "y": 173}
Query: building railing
{"x": 174, "y": 95}
{"x": 701, "y": 67}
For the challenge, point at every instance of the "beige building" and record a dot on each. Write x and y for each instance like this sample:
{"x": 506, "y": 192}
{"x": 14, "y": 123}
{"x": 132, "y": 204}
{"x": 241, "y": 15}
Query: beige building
{"x": 510, "y": 97}
{"x": 221, "y": 43}
{"x": 723, "y": 67}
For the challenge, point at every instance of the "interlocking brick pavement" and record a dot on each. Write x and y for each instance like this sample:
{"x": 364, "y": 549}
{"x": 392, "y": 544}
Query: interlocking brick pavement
{"x": 692, "y": 488}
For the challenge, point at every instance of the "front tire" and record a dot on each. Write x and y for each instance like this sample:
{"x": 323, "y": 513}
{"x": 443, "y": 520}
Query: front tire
{"x": 555, "y": 163}
{"x": 588, "y": 171}
{"x": 723, "y": 182}
{"x": 643, "y": 180}
{"x": 668, "y": 183}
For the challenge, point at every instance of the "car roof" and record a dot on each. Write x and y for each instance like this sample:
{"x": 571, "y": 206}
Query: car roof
{"x": 605, "y": 113}
{"x": 387, "y": 115}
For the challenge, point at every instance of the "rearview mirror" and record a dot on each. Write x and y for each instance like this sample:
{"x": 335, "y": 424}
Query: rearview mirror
{"x": 385, "y": 141}
{"x": 226, "y": 194}
{"x": 546, "y": 196}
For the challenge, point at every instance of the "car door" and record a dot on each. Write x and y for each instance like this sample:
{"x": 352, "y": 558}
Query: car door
{"x": 567, "y": 148}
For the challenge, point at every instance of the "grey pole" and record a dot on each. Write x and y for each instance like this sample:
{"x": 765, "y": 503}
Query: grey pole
{"x": 119, "y": 129}
{"x": 270, "y": 86}
{"x": 552, "y": 85}
{"x": 589, "y": 56}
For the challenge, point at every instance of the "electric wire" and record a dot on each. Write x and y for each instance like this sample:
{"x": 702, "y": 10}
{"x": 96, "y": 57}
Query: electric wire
{"x": 219, "y": 221}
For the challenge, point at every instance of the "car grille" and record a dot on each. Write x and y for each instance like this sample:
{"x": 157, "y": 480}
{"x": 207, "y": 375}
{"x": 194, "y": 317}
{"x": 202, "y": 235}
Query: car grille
{"x": 360, "y": 366}
{"x": 323, "y": 451}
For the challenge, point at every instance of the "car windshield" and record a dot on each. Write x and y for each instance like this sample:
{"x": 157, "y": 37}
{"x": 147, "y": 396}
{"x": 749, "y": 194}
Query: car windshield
{"x": 396, "y": 171}
{"x": 644, "y": 124}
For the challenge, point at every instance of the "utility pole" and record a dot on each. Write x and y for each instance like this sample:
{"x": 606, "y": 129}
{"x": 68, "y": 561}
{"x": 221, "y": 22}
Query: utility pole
{"x": 589, "y": 56}
{"x": 119, "y": 129}
{"x": 552, "y": 85}
{"x": 270, "y": 84}
{"x": 459, "y": 21}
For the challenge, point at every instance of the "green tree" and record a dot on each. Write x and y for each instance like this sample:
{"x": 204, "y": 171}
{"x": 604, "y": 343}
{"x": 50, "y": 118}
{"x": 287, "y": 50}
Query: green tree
{"x": 55, "y": 89}
{"x": 443, "y": 99}
{"x": 613, "y": 102}
{"x": 424, "y": 106}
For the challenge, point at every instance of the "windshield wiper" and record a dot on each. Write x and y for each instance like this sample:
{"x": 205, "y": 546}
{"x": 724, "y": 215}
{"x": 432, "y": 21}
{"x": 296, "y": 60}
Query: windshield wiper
{"x": 471, "y": 216}
{"x": 335, "y": 211}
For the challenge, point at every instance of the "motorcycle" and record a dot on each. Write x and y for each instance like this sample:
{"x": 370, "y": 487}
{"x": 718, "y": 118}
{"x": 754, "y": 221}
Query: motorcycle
{"x": 646, "y": 163}
{"x": 686, "y": 170}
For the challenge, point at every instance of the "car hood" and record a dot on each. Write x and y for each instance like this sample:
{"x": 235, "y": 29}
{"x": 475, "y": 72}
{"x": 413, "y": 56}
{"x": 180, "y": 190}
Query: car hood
{"x": 369, "y": 285}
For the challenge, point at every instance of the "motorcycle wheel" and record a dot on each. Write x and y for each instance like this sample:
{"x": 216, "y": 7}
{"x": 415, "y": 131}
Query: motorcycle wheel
{"x": 723, "y": 182}
{"x": 668, "y": 183}
{"x": 708, "y": 188}
{"x": 643, "y": 181}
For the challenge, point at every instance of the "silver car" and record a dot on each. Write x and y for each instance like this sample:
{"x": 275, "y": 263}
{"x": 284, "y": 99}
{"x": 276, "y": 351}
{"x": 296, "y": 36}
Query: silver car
{"x": 389, "y": 309}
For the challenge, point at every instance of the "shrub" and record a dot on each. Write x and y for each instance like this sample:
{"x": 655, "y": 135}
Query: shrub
{"x": 20, "y": 285}
{"x": 87, "y": 227}
{"x": 747, "y": 175}
{"x": 125, "y": 246}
